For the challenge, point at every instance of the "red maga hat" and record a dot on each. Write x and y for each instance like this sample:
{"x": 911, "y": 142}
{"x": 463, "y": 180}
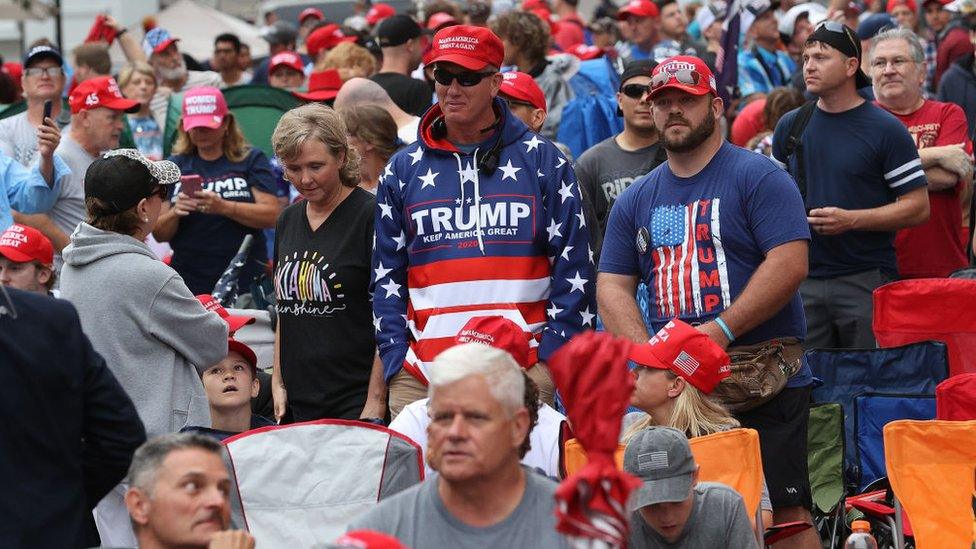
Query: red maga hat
{"x": 100, "y": 92}
{"x": 683, "y": 72}
{"x": 20, "y": 244}
{"x": 234, "y": 322}
{"x": 522, "y": 87}
{"x": 473, "y": 48}
{"x": 498, "y": 332}
{"x": 638, "y": 8}
{"x": 687, "y": 352}
{"x": 310, "y": 12}
{"x": 326, "y": 38}
{"x": 378, "y": 13}
{"x": 242, "y": 349}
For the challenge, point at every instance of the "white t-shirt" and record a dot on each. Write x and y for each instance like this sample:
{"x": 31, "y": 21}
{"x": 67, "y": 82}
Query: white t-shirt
{"x": 18, "y": 137}
{"x": 544, "y": 438}
{"x": 408, "y": 133}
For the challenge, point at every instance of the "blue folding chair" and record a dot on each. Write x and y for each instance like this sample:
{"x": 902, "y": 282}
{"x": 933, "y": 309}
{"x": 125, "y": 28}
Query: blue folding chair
{"x": 872, "y": 411}
{"x": 913, "y": 369}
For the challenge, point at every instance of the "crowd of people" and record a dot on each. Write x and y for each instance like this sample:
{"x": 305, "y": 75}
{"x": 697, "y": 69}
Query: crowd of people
{"x": 428, "y": 245}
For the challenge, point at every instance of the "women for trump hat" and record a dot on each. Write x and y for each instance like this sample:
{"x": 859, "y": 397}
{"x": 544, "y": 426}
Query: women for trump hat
{"x": 687, "y": 352}
{"x": 473, "y": 48}
{"x": 203, "y": 107}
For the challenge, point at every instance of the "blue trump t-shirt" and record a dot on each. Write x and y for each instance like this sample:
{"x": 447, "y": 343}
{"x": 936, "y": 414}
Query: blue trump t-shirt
{"x": 204, "y": 244}
{"x": 696, "y": 241}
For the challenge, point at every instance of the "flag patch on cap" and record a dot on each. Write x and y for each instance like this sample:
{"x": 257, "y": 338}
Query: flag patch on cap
{"x": 686, "y": 363}
{"x": 652, "y": 461}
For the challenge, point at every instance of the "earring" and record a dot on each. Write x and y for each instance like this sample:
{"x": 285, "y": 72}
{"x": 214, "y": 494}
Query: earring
{"x": 145, "y": 220}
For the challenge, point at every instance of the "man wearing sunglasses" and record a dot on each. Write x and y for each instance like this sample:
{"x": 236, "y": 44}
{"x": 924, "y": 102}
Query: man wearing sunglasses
{"x": 718, "y": 235}
{"x": 480, "y": 217}
{"x": 609, "y": 167}
{"x": 863, "y": 181}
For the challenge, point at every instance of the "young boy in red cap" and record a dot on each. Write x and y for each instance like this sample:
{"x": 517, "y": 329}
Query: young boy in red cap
{"x": 26, "y": 260}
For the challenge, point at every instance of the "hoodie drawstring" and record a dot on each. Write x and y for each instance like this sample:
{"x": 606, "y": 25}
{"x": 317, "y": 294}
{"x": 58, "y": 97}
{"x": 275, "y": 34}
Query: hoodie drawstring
{"x": 477, "y": 195}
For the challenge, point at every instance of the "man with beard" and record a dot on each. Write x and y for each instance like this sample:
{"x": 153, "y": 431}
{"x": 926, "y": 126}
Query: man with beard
{"x": 719, "y": 236}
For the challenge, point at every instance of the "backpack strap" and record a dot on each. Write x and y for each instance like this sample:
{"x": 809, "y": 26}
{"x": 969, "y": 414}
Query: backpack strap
{"x": 794, "y": 145}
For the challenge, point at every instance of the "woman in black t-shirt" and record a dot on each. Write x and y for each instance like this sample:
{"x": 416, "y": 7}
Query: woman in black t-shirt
{"x": 325, "y": 353}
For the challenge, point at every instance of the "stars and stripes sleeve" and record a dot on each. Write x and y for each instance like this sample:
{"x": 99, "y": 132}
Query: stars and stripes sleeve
{"x": 572, "y": 305}
{"x": 388, "y": 280}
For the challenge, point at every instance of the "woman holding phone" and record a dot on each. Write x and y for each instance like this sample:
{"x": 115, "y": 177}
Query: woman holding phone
{"x": 236, "y": 198}
{"x": 325, "y": 362}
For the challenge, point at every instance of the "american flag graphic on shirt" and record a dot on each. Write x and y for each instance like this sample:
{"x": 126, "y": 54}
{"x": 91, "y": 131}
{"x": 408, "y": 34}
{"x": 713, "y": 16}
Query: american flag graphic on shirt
{"x": 689, "y": 276}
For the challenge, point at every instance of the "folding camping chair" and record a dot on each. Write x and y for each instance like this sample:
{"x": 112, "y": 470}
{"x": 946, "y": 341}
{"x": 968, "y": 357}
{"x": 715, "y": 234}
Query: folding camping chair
{"x": 299, "y": 485}
{"x": 930, "y": 465}
{"x": 910, "y": 369}
{"x": 872, "y": 411}
{"x": 940, "y": 309}
{"x": 825, "y": 461}
{"x": 955, "y": 398}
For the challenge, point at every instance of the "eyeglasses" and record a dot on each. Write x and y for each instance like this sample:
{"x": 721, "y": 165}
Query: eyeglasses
{"x": 466, "y": 78}
{"x": 838, "y": 27}
{"x": 898, "y": 63}
{"x": 48, "y": 71}
{"x": 685, "y": 76}
{"x": 635, "y": 91}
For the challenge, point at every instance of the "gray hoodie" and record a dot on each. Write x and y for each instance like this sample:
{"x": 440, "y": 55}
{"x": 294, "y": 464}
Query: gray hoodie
{"x": 154, "y": 335}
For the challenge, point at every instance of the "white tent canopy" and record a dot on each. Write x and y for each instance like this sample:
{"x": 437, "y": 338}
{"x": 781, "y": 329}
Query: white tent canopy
{"x": 196, "y": 26}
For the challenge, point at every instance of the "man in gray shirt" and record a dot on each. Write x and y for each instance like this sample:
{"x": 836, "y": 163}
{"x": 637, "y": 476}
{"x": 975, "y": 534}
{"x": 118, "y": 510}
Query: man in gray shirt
{"x": 672, "y": 509}
{"x": 610, "y": 166}
{"x": 482, "y": 496}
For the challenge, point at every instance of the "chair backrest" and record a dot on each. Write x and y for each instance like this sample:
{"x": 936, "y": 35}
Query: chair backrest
{"x": 731, "y": 457}
{"x": 955, "y": 398}
{"x": 913, "y": 369}
{"x": 341, "y": 467}
{"x": 871, "y": 413}
{"x": 907, "y": 311}
{"x": 825, "y": 456}
{"x": 930, "y": 466}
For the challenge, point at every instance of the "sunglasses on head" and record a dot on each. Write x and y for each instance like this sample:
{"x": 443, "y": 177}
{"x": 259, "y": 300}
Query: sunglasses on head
{"x": 465, "y": 78}
{"x": 838, "y": 27}
{"x": 685, "y": 76}
{"x": 635, "y": 91}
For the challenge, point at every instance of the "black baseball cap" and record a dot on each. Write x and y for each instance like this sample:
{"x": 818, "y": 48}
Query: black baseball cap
{"x": 396, "y": 30}
{"x": 123, "y": 177}
{"x": 40, "y": 52}
{"x": 637, "y": 68}
{"x": 843, "y": 39}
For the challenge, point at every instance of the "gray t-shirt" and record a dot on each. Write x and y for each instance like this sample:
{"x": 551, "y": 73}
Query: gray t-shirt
{"x": 603, "y": 172}
{"x": 718, "y": 519}
{"x": 18, "y": 137}
{"x": 419, "y": 519}
{"x": 69, "y": 210}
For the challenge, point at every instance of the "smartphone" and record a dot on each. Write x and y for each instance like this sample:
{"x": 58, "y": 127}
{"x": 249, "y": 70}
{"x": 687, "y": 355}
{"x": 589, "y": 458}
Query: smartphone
{"x": 48, "y": 106}
{"x": 191, "y": 184}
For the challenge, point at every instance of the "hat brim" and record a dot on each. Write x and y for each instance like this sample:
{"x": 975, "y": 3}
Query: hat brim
{"x": 317, "y": 95}
{"x": 15, "y": 255}
{"x": 623, "y": 13}
{"x": 235, "y": 322}
{"x": 673, "y": 84}
{"x": 242, "y": 349}
{"x": 120, "y": 104}
{"x": 202, "y": 121}
{"x": 665, "y": 490}
{"x": 461, "y": 60}
{"x": 165, "y": 44}
{"x": 643, "y": 356}
{"x": 42, "y": 55}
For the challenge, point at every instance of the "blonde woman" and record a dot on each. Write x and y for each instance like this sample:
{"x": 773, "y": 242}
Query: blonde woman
{"x": 373, "y": 133}
{"x": 325, "y": 362}
{"x": 137, "y": 81}
{"x": 351, "y": 60}
{"x": 236, "y": 198}
{"x": 670, "y": 396}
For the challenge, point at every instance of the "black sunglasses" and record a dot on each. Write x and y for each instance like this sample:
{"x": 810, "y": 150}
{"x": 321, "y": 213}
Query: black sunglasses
{"x": 162, "y": 191}
{"x": 466, "y": 78}
{"x": 635, "y": 91}
{"x": 686, "y": 76}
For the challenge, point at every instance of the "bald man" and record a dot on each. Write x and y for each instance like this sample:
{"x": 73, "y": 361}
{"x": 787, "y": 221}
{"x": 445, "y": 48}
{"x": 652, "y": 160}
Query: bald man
{"x": 362, "y": 91}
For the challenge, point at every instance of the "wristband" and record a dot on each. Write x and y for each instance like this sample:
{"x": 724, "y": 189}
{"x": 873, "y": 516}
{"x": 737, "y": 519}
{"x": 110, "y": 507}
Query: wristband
{"x": 121, "y": 31}
{"x": 725, "y": 328}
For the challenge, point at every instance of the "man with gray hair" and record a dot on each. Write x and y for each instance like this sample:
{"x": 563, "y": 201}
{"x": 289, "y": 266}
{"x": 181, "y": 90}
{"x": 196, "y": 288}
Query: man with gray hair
{"x": 179, "y": 495}
{"x": 940, "y": 132}
{"x": 363, "y": 91}
{"x": 482, "y": 496}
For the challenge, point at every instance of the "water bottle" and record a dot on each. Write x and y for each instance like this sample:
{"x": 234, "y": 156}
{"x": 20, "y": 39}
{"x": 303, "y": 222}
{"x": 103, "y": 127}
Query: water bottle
{"x": 861, "y": 537}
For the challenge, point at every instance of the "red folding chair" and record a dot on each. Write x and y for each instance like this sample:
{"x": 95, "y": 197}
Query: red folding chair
{"x": 955, "y": 398}
{"x": 923, "y": 309}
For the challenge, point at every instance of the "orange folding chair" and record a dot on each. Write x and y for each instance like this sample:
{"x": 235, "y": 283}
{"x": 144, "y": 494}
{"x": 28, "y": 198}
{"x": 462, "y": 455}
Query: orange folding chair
{"x": 930, "y": 466}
